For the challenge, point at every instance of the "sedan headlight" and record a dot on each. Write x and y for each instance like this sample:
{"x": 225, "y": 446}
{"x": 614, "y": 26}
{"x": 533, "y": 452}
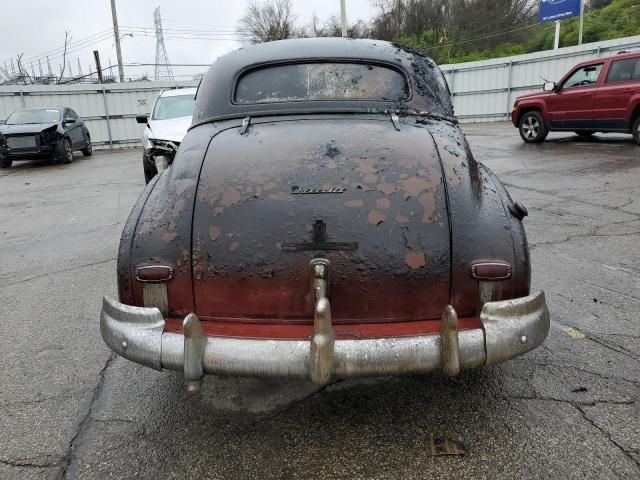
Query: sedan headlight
{"x": 164, "y": 147}
{"x": 48, "y": 136}
{"x": 162, "y": 153}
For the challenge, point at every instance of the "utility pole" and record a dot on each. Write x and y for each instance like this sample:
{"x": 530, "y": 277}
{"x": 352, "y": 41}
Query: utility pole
{"x": 343, "y": 17}
{"x": 556, "y": 40}
{"x": 581, "y": 25}
{"x": 96, "y": 55}
{"x": 116, "y": 34}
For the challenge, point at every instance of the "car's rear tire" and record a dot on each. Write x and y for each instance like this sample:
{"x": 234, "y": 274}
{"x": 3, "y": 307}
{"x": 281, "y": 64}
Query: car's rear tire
{"x": 532, "y": 128}
{"x": 64, "y": 151}
{"x": 636, "y": 131}
{"x": 5, "y": 162}
{"x": 88, "y": 150}
{"x": 586, "y": 134}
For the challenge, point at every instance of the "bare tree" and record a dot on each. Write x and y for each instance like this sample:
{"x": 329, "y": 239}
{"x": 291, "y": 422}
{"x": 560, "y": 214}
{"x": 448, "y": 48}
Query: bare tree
{"x": 333, "y": 28}
{"x": 267, "y": 21}
{"x": 390, "y": 21}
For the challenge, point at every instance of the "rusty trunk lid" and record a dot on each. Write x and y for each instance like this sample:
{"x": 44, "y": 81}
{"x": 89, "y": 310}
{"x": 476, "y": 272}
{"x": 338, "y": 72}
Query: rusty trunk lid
{"x": 352, "y": 189}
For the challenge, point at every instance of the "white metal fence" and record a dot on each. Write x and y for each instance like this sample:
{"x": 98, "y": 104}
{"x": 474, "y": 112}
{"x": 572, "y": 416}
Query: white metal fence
{"x": 109, "y": 110}
{"x": 485, "y": 90}
{"x": 482, "y": 91}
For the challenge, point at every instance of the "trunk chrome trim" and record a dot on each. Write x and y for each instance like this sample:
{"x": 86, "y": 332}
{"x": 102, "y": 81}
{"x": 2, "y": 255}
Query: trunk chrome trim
{"x": 450, "y": 342}
{"x": 323, "y": 338}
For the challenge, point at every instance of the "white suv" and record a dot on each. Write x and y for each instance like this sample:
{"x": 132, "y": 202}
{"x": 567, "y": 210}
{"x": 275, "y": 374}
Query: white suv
{"x": 165, "y": 128}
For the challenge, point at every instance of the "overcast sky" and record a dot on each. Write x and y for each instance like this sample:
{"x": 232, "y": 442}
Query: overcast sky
{"x": 89, "y": 22}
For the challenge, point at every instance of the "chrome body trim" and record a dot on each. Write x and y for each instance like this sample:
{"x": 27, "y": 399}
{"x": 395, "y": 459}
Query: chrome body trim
{"x": 510, "y": 328}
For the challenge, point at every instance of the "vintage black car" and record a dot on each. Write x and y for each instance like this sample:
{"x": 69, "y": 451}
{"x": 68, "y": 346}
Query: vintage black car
{"x": 324, "y": 218}
{"x": 43, "y": 132}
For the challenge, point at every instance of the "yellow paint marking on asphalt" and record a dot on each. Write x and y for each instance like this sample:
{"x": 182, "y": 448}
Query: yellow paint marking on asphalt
{"x": 573, "y": 332}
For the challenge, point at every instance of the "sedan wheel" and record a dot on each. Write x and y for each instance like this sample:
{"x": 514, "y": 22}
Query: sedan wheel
{"x": 64, "y": 151}
{"x": 88, "y": 150}
{"x": 532, "y": 127}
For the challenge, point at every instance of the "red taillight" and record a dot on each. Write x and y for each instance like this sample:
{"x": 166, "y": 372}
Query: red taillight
{"x": 491, "y": 270}
{"x": 154, "y": 273}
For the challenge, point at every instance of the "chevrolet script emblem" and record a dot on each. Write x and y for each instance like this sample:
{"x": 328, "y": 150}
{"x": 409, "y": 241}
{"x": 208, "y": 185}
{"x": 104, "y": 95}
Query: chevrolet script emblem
{"x": 296, "y": 190}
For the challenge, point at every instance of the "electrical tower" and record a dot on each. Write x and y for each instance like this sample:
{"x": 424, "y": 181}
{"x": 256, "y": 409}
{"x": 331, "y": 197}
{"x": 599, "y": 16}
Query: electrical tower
{"x": 163, "y": 68}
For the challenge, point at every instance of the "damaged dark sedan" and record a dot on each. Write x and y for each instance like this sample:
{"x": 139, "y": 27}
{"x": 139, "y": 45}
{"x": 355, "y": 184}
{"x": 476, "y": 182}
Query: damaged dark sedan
{"x": 324, "y": 218}
{"x": 52, "y": 133}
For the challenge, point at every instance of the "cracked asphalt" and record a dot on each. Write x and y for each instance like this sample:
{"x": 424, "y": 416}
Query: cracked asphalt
{"x": 71, "y": 409}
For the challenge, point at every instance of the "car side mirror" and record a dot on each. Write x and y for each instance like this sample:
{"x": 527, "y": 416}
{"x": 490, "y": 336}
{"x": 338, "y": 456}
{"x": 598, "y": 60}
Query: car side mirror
{"x": 144, "y": 118}
{"x": 67, "y": 121}
{"x": 549, "y": 87}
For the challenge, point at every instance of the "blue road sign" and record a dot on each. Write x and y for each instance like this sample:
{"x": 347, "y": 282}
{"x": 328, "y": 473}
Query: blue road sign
{"x": 552, "y": 10}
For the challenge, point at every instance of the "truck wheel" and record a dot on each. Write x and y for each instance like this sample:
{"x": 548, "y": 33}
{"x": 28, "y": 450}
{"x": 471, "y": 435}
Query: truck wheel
{"x": 64, "y": 151}
{"x": 5, "y": 162}
{"x": 532, "y": 127}
{"x": 636, "y": 131}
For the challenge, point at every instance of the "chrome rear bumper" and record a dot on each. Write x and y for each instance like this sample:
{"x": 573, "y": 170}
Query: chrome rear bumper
{"x": 510, "y": 328}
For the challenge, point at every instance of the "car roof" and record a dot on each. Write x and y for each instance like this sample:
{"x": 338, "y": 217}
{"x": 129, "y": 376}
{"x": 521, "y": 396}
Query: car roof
{"x": 428, "y": 88}
{"x": 623, "y": 54}
{"x": 176, "y": 92}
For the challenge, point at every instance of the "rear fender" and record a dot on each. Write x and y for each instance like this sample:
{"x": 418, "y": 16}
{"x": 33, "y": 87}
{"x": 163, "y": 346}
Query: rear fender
{"x": 481, "y": 228}
{"x": 158, "y": 231}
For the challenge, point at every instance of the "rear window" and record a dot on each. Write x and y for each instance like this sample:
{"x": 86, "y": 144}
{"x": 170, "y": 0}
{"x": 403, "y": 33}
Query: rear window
{"x": 321, "y": 81}
{"x": 624, "y": 70}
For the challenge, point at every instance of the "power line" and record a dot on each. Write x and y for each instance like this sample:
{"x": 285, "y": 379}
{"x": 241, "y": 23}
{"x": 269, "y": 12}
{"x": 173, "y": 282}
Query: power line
{"x": 482, "y": 37}
{"x": 82, "y": 47}
{"x": 180, "y": 37}
{"x": 77, "y": 47}
{"x": 70, "y": 44}
{"x": 168, "y": 34}
{"x": 174, "y": 29}
{"x": 191, "y": 24}
{"x": 169, "y": 64}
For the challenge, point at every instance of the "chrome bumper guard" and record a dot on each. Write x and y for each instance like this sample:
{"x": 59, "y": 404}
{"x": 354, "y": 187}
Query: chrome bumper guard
{"x": 509, "y": 329}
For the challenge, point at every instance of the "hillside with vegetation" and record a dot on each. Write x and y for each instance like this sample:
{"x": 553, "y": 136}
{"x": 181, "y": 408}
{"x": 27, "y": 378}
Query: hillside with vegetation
{"x": 619, "y": 18}
{"x": 451, "y": 31}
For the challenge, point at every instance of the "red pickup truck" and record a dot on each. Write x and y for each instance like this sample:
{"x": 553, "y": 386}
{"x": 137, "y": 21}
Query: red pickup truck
{"x": 600, "y": 95}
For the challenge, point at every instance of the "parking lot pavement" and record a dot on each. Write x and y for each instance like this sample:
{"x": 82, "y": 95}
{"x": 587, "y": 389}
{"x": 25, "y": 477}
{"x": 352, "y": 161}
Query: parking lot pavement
{"x": 69, "y": 408}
